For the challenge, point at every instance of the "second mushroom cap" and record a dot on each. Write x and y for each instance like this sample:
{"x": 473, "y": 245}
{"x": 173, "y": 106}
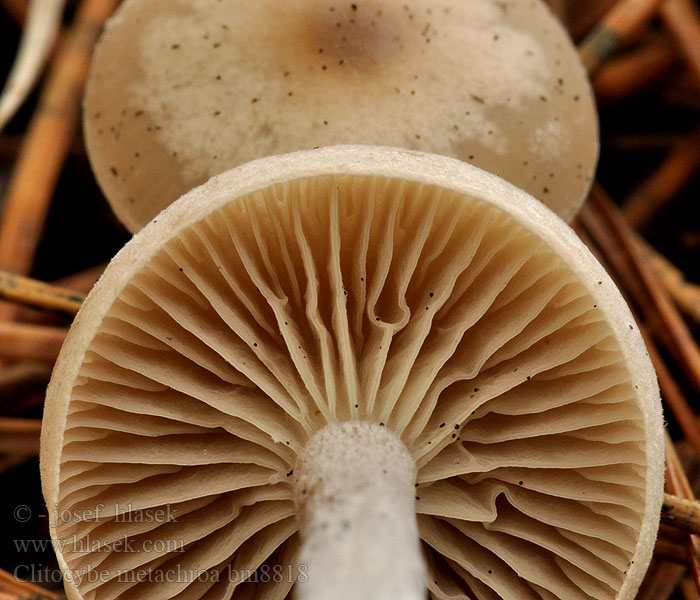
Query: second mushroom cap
{"x": 181, "y": 90}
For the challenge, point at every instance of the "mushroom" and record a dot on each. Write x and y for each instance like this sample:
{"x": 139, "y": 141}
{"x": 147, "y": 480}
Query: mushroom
{"x": 314, "y": 360}
{"x": 181, "y": 91}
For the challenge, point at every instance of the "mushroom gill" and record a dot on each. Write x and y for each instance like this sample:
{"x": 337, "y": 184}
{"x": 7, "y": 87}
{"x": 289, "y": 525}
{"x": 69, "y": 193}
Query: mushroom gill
{"x": 396, "y": 289}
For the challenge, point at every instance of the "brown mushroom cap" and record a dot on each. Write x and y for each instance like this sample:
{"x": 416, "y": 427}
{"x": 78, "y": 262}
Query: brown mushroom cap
{"x": 354, "y": 284}
{"x": 181, "y": 90}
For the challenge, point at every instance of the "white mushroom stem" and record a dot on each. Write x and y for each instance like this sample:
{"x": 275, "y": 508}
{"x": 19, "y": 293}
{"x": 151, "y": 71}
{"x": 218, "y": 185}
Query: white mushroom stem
{"x": 356, "y": 500}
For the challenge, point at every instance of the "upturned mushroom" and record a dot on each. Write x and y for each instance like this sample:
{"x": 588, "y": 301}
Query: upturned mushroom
{"x": 362, "y": 370}
{"x": 183, "y": 90}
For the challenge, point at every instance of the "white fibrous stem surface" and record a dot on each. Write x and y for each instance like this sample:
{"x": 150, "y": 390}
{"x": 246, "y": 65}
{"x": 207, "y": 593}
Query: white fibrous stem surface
{"x": 356, "y": 499}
